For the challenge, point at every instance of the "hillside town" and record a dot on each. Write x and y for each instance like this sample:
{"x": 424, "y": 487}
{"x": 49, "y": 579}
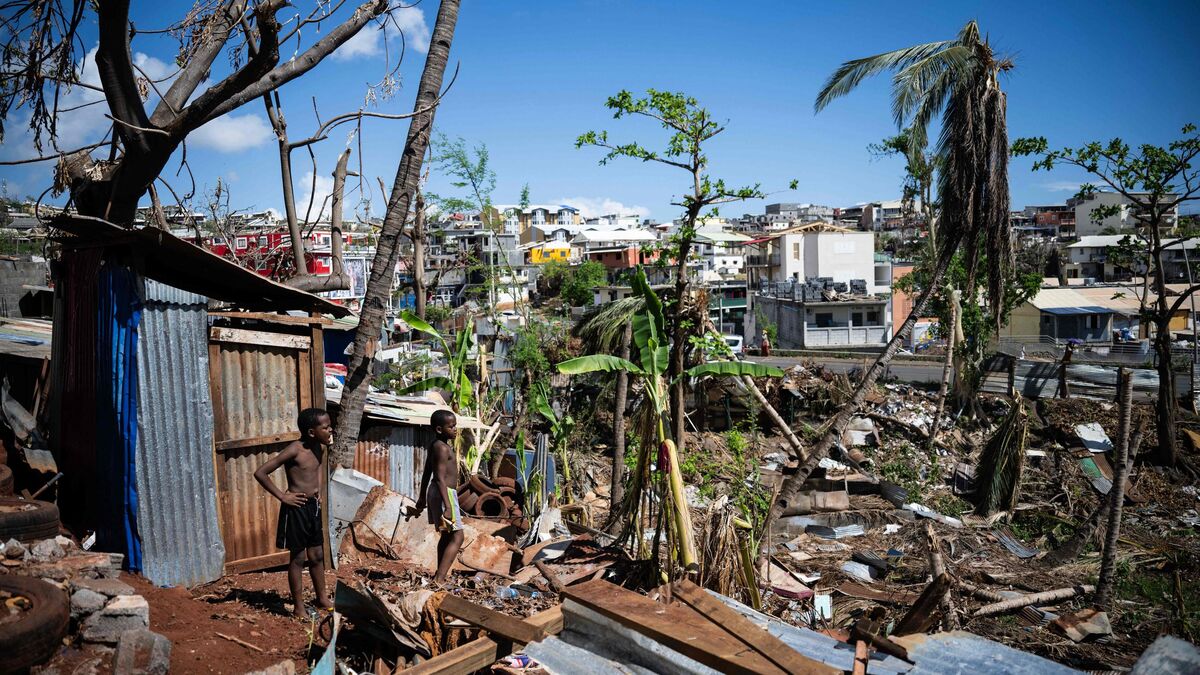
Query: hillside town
{"x": 453, "y": 426}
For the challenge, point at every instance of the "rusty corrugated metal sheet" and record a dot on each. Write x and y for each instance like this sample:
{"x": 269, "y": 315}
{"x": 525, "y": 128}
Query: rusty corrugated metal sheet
{"x": 256, "y": 396}
{"x": 393, "y": 454}
{"x": 177, "y": 493}
{"x": 259, "y": 389}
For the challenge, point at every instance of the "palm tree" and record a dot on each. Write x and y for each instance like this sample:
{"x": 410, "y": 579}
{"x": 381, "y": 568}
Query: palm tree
{"x": 959, "y": 79}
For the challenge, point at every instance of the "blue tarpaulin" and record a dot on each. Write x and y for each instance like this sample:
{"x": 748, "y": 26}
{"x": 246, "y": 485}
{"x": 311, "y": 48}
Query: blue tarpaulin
{"x": 119, "y": 311}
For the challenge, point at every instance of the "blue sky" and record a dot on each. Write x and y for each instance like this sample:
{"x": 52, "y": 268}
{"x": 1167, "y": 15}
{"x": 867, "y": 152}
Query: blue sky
{"x": 534, "y": 75}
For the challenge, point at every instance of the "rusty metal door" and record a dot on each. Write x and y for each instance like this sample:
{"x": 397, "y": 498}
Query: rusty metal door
{"x": 260, "y": 381}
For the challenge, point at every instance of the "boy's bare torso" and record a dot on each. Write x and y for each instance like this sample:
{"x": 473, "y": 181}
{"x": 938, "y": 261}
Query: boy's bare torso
{"x": 447, "y": 468}
{"x": 303, "y": 470}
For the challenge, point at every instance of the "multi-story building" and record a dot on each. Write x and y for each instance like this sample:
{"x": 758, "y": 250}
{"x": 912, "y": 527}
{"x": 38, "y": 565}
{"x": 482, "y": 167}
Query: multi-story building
{"x": 1102, "y": 258}
{"x": 813, "y": 250}
{"x": 721, "y": 253}
{"x": 1126, "y": 217}
{"x": 523, "y": 221}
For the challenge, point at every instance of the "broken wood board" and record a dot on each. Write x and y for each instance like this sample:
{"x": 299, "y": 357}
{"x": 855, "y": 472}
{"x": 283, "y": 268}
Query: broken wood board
{"x": 677, "y": 627}
{"x": 783, "y": 581}
{"x": 497, "y": 624}
{"x": 483, "y": 652}
{"x": 924, "y": 612}
{"x": 863, "y": 592}
{"x": 743, "y": 629}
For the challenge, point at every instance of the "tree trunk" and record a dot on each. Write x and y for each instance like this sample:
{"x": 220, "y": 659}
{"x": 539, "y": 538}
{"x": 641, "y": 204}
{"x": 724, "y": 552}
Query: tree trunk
{"x": 679, "y": 338}
{"x": 418, "y": 268}
{"x": 617, "y": 491}
{"x": 404, "y": 188}
{"x": 947, "y": 370}
{"x": 1165, "y": 408}
{"x": 837, "y": 426}
{"x": 1116, "y": 496}
{"x": 780, "y": 424}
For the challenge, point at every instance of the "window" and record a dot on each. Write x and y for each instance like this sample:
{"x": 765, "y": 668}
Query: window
{"x": 1046, "y": 319}
{"x": 241, "y": 242}
{"x": 218, "y": 241}
{"x": 262, "y": 241}
{"x": 856, "y": 317}
{"x": 1093, "y": 321}
{"x": 873, "y": 318}
{"x": 824, "y": 319}
{"x": 796, "y": 251}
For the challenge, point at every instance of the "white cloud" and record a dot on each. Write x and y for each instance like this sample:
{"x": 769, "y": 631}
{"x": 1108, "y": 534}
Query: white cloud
{"x": 232, "y": 133}
{"x": 1062, "y": 186}
{"x": 319, "y": 192}
{"x": 368, "y": 42}
{"x": 592, "y": 207}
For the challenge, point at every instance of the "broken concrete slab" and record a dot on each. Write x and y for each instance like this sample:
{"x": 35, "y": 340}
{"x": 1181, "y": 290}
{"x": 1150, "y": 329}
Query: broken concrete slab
{"x": 85, "y": 602}
{"x": 281, "y": 668}
{"x": 1168, "y": 655}
{"x": 46, "y": 550}
{"x": 123, "y": 613}
{"x": 107, "y": 587}
{"x": 142, "y": 652}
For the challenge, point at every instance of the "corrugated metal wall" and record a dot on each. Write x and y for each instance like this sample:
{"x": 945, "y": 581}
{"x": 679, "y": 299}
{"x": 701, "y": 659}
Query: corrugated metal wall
{"x": 393, "y": 455}
{"x": 258, "y": 389}
{"x": 177, "y": 491}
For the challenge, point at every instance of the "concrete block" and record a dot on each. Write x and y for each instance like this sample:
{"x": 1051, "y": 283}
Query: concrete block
{"x": 142, "y": 652}
{"x": 85, "y": 602}
{"x": 108, "y": 587}
{"x": 123, "y": 613}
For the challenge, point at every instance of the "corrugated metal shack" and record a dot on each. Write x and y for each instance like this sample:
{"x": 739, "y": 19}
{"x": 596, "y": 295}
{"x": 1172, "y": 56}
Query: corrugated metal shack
{"x": 395, "y": 435}
{"x": 161, "y": 409}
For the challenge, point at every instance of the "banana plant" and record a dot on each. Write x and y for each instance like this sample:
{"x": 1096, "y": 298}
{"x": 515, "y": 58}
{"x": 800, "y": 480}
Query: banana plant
{"x": 560, "y": 430}
{"x": 462, "y": 394}
{"x": 650, "y": 339}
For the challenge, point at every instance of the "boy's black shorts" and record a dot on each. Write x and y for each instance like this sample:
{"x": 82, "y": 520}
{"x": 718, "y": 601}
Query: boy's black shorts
{"x": 300, "y": 526}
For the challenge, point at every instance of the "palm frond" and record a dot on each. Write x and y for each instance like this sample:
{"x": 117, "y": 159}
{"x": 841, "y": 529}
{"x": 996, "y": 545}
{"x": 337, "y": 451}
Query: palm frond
{"x": 1001, "y": 463}
{"x": 603, "y": 327}
{"x": 851, "y": 73}
{"x": 931, "y": 77}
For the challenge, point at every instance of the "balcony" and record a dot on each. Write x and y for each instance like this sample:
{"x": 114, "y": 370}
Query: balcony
{"x": 763, "y": 260}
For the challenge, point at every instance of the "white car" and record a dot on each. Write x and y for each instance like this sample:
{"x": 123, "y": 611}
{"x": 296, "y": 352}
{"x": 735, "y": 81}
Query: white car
{"x": 735, "y": 344}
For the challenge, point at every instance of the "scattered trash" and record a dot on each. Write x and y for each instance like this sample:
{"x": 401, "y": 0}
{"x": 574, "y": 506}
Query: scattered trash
{"x": 1093, "y": 437}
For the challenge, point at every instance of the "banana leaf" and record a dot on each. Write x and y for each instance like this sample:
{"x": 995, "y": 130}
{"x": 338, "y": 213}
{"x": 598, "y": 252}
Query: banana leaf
{"x": 435, "y": 382}
{"x": 597, "y": 363}
{"x": 734, "y": 368}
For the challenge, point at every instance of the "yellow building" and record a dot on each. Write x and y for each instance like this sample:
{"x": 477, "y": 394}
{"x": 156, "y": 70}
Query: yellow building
{"x": 550, "y": 251}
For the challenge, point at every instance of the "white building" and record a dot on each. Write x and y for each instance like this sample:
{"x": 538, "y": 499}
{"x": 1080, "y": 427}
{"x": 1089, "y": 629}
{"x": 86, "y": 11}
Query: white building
{"x": 813, "y": 250}
{"x": 589, "y": 239}
{"x": 721, "y": 253}
{"x": 1124, "y": 219}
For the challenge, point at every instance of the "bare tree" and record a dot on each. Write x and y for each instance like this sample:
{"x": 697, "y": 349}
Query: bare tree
{"x": 43, "y": 49}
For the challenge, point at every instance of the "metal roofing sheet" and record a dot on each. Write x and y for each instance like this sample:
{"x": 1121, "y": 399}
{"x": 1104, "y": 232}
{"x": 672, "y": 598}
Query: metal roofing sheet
{"x": 1073, "y": 311}
{"x": 177, "y": 493}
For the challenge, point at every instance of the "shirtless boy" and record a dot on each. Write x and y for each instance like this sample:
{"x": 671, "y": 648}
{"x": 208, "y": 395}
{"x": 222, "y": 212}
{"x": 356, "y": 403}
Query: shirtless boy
{"x": 300, "y": 530}
{"x": 439, "y": 494}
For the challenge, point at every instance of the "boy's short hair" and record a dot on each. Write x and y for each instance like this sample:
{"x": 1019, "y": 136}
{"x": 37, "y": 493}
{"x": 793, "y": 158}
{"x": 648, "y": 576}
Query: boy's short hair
{"x": 441, "y": 418}
{"x": 309, "y": 418}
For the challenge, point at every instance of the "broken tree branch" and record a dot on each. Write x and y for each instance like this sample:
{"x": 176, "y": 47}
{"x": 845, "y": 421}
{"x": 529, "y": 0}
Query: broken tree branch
{"x": 1033, "y": 599}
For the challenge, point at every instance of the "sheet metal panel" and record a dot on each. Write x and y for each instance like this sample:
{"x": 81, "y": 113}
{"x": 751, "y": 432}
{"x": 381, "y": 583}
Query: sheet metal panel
{"x": 177, "y": 492}
{"x": 257, "y": 394}
{"x": 393, "y": 454}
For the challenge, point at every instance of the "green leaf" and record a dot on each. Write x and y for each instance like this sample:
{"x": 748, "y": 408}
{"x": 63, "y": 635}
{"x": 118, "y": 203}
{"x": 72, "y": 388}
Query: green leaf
{"x": 597, "y": 363}
{"x": 735, "y": 369}
{"x": 465, "y": 393}
{"x": 436, "y": 382}
{"x": 419, "y": 324}
{"x": 653, "y": 305}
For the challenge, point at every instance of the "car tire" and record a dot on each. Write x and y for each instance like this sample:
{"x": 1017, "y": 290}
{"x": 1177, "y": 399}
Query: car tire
{"x": 27, "y": 521}
{"x": 37, "y": 635}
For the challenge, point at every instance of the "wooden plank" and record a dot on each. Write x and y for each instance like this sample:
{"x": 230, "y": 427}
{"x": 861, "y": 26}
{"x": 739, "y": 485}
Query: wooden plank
{"x": 743, "y": 629}
{"x": 675, "y": 626}
{"x": 501, "y": 625}
{"x": 483, "y": 652}
{"x": 304, "y": 383}
{"x": 256, "y": 563}
{"x": 924, "y": 612}
{"x": 259, "y": 337}
{"x": 235, "y": 443}
{"x": 274, "y": 318}
{"x": 317, "y": 351}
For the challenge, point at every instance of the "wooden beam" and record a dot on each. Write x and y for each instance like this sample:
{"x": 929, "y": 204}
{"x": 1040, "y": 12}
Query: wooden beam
{"x": 274, "y": 318}
{"x": 482, "y": 652}
{"x": 256, "y": 563}
{"x": 259, "y": 337}
{"x": 740, "y": 627}
{"x": 257, "y": 440}
{"x": 495, "y": 623}
{"x": 923, "y": 614}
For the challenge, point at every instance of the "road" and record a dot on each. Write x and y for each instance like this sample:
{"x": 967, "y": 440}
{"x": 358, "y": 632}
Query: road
{"x": 905, "y": 371}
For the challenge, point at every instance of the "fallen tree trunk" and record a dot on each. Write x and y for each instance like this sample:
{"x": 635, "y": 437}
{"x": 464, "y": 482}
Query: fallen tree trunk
{"x": 780, "y": 424}
{"x": 1033, "y": 599}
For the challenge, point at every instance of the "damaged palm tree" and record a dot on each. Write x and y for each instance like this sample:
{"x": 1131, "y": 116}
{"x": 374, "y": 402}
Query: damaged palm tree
{"x": 651, "y": 341}
{"x": 1002, "y": 462}
{"x": 960, "y": 79}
